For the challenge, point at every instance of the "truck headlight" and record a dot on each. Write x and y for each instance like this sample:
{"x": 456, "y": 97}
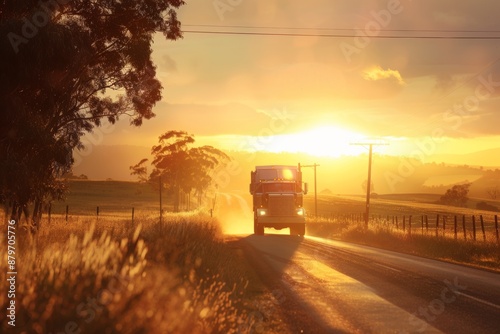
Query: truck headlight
{"x": 261, "y": 212}
{"x": 301, "y": 211}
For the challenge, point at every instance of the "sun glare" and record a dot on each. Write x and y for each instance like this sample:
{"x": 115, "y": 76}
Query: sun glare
{"x": 325, "y": 140}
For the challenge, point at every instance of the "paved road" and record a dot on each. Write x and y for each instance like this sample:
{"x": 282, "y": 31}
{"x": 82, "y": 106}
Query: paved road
{"x": 327, "y": 286}
{"x": 335, "y": 287}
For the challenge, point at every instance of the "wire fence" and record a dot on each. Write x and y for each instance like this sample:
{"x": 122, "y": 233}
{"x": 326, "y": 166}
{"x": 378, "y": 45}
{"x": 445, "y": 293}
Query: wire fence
{"x": 466, "y": 227}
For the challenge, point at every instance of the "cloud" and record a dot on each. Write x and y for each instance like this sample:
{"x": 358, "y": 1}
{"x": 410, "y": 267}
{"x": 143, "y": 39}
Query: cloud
{"x": 413, "y": 78}
{"x": 378, "y": 73}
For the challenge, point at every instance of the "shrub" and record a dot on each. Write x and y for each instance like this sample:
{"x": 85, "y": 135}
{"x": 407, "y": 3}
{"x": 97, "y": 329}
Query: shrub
{"x": 485, "y": 206}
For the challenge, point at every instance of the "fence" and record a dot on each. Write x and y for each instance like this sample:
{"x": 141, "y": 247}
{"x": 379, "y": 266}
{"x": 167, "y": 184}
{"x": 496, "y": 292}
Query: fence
{"x": 66, "y": 212}
{"x": 98, "y": 212}
{"x": 472, "y": 227}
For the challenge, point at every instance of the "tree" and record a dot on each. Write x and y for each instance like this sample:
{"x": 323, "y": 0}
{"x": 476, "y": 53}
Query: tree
{"x": 456, "y": 195}
{"x": 140, "y": 171}
{"x": 64, "y": 68}
{"x": 181, "y": 168}
{"x": 493, "y": 192}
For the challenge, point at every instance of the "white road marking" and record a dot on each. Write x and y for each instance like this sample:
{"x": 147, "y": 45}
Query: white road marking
{"x": 387, "y": 267}
{"x": 482, "y": 301}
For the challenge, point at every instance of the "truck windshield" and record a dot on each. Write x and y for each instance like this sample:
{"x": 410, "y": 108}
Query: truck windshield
{"x": 273, "y": 174}
{"x": 278, "y": 187}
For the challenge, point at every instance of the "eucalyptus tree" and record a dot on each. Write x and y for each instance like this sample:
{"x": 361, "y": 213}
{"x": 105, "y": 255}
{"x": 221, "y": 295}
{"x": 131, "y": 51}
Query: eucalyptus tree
{"x": 65, "y": 67}
{"x": 179, "y": 166}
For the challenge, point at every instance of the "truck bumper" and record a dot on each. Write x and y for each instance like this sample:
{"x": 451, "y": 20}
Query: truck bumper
{"x": 280, "y": 222}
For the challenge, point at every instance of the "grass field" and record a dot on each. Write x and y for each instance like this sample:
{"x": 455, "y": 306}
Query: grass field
{"x": 392, "y": 205}
{"x": 109, "y": 274}
{"x": 114, "y": 198}
{"x": 173, "y": 277}
{"x": 341, "y": 217}
{"x": 389, "y": 207}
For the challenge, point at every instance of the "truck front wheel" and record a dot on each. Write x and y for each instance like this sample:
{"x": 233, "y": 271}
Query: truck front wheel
{"x": 258, "y": 229}
{"x": 302, "y": 230}
{"x": 298, "y": 230}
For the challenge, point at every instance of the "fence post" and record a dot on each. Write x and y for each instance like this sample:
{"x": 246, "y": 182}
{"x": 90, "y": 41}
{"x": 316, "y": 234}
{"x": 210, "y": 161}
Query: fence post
{"x": 97, "y": 211}
{"x": 463, "y": 225}
{"x": 422, "y": 224}
{"x": 404, "y": 224}
{"x": 426, "y": 224}
{"x": 397, "y": 225}
{"x": 455, "y": 227}
{"x": 409, "y": 226}
{"x": 496, "y": 228}
{"x": 482, "y": 227}
{"x": 444, "y": 226}
{"x": 50, "y": 211}
{"x": 437, "y": 225}
{"x": 474, "y": 227}
{"x": 133, "y": 215}
{"x": 67, "y": 210}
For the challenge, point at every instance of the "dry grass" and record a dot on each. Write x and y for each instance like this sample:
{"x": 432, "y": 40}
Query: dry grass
{"x": 343, "y": 220}
{"x": 111, "y": 277}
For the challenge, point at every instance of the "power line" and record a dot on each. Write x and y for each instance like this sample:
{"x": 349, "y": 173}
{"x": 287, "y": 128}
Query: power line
{"x": 255, "y": 33}
{"x": 338, "y": 29}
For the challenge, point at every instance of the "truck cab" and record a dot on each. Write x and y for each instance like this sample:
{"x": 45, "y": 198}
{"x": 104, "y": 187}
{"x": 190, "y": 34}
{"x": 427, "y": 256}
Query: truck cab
{"x": 278, "y": 194}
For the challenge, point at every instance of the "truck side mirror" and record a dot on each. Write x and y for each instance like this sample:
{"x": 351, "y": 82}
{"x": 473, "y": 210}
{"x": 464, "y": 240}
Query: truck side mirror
{"x": 306, "y": 188}
{"x": 252, "y": 182}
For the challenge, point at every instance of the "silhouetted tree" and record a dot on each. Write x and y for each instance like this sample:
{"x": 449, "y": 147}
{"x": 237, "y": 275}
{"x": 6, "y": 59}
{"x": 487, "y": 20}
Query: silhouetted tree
{"x": 63, "y": 69}
{"x": 140, "y": 170}
{"x": 181, "y": 167}
{"x": 456, "y": 195}
{"x": 493, "y": 192}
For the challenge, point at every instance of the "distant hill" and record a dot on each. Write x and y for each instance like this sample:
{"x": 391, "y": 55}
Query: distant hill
{"x": 104, "y": 162}
{"x": 487, "y": 158}
{"x": 345, "y": 175}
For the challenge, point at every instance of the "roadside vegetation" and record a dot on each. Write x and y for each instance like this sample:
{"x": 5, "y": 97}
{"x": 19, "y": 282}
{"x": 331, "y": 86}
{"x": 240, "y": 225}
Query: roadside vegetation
{"x": 389, "y": 228}
{"x": 114, "y": 277}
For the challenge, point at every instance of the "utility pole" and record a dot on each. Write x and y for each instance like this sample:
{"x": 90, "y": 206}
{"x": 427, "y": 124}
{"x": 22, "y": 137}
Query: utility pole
{"x": 161, "y": 210}
{"x": 368, "y": 186}
{"x": 315, "y": 188}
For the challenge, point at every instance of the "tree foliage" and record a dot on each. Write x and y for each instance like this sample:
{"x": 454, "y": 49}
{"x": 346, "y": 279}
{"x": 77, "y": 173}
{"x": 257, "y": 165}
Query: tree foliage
{"x": 140, "y": 170}
{"x": 65, "y": 66}
{"x": 456, "y": 195}
{"x": 493, "y": 192}
{"x": 181, "y": 167}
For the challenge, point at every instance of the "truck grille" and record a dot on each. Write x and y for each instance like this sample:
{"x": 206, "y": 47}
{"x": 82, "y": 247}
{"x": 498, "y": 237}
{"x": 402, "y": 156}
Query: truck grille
{"x": 281, "y": 205}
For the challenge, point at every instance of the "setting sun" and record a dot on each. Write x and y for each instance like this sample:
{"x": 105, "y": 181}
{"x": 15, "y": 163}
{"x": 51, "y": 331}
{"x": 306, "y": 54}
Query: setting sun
{"x": 325, "y": 140}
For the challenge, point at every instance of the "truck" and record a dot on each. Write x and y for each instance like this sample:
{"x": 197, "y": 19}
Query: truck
{"x": 278, "y": 194}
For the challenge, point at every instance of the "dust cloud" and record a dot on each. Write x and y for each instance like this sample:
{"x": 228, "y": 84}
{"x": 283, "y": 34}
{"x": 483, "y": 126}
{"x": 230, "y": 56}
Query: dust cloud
{"x": 234, "y": 212}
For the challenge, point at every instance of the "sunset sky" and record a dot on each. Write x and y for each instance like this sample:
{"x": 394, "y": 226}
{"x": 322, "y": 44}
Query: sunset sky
{"x": 319, "y": 94}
